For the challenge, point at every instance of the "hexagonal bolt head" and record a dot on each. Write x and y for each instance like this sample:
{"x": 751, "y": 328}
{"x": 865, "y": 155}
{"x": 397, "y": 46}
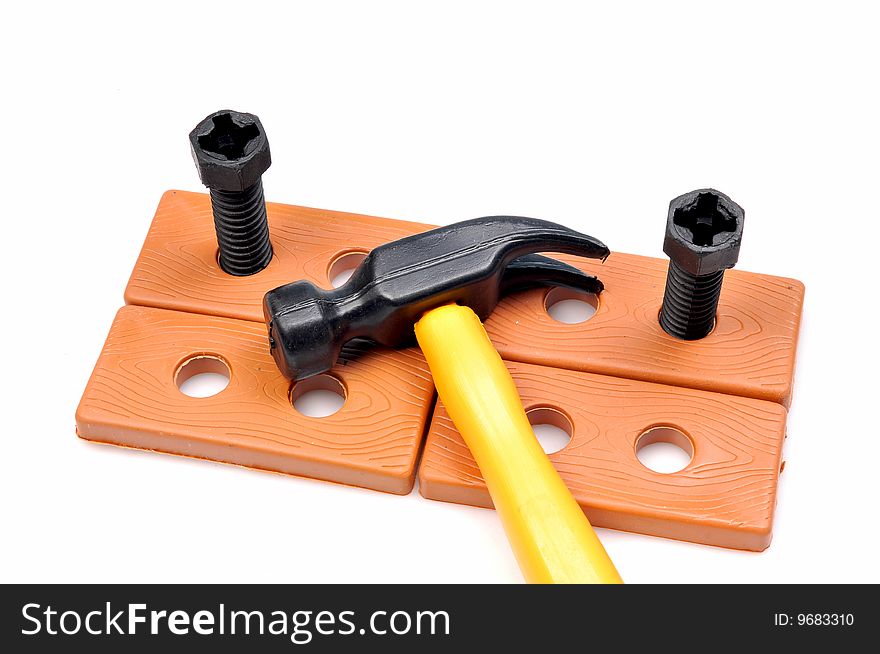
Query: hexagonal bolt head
{"x": 704, "y": 231}
{"x": 231, "y": 150}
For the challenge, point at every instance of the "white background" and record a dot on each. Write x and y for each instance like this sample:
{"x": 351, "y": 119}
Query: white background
{"x": 594, "y": 116}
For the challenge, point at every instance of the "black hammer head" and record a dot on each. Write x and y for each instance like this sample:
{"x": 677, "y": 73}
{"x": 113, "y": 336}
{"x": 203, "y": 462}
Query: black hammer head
{"x": 472, "y": 263}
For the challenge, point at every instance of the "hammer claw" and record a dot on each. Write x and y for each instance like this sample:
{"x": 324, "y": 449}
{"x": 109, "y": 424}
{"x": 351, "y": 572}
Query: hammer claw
{"x": 536, "y": 270}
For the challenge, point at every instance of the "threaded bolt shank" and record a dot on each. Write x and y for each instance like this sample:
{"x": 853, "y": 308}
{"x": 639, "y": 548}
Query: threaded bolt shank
{"x": 242, "y": 230}
{"x": 690, "y": 303}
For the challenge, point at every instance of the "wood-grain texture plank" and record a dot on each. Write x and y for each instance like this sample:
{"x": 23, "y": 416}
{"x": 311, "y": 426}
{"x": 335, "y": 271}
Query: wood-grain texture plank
{"x": 132, "y": 399}
{"x": 177, "y": 267}
{"x": 726, "y": 496}
{"x": 751, "y": 352}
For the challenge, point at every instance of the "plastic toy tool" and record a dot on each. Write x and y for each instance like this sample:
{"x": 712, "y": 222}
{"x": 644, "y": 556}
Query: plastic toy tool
{"x": 442, "y": 283}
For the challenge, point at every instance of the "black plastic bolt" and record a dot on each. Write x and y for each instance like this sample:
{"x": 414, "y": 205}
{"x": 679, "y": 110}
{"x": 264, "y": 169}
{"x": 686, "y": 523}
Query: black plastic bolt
{"x": 703, "y": 234}
{"x": 231, "y": 152}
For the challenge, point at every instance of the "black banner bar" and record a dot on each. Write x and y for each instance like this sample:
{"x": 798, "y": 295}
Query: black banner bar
{"x": 431, "y": 618}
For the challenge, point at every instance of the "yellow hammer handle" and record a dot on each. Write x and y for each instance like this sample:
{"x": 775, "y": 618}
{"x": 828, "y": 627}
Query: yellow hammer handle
{"x": 551, "y": 537}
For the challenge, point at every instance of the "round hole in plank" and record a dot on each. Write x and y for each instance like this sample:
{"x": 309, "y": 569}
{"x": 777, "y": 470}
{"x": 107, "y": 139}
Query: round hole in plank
{"x": 343, "y": 266}
{"x": 571, "y": 307}
{"x": 552, "y": 428}
{"x": 664, "y": 449}
{"x": 202, "y": 375}
{"x": 319, "y": 396}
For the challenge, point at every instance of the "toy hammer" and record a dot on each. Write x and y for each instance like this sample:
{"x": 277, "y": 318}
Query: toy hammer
{"x": 444, "y": 282}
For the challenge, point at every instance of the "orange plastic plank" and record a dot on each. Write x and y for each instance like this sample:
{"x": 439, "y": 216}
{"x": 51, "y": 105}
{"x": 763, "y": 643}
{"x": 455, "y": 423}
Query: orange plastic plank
{"x": 751, "y": 352}
{"x": 726, "y": 496}
{"x": 132, "y": 399}
{"x": 178, "y": 269}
